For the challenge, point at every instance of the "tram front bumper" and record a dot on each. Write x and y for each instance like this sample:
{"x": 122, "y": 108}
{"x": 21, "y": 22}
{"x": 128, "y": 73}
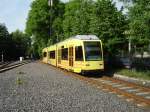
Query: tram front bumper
{"x": 96, "y": 65}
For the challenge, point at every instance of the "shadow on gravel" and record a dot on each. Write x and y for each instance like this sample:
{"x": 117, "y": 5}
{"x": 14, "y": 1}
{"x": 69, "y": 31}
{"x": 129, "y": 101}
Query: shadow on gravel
{"x": 93, "y": 74}
{"x": 109, "y": 72}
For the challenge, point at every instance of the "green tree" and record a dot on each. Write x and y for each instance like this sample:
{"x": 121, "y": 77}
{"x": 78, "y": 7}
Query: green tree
{"x": 139, "y": 16}
{"x": 111, "y": 25}
{"x": 57, "y": 28}
{"x": 139, "y": 22}
{"x": 77, "y": 17}
{"x": 70, "y": 17}
{"x": 38, "y": 20}
{"x": 43, "y": 23}
{"x": 5, "y": 42}
{"x": 21, "y": 44}
{"x": 100, "y": 17}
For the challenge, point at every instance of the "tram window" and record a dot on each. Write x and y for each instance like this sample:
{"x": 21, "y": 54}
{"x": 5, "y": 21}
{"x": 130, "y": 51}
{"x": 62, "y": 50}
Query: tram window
{"x": 93, "y": 51}
{"x": 78, "y": 53}
{"x": 52, "y": 54}
{"x": 64, "y": 54}
{"x": 44, "y": 54}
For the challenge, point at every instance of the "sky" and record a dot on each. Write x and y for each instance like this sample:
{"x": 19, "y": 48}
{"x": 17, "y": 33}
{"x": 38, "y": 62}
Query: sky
{"x": 13, "y": 13}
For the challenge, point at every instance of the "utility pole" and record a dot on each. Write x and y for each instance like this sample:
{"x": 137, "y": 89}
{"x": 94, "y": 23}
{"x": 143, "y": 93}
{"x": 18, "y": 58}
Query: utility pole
{"x": 129, "y": 46}
{"x": 128, "y": 34}
{"x": 2, "y": 57}
{"x": 50, "y": 3}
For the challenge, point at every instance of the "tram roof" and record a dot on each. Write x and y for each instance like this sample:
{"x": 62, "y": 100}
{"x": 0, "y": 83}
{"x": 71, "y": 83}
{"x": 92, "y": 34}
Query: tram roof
{"x": 85, "y": 37}
{"x": 80, "y": 37}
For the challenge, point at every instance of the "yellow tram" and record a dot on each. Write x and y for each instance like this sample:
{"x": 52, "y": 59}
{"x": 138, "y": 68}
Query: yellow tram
{"x": 81, "y": 53}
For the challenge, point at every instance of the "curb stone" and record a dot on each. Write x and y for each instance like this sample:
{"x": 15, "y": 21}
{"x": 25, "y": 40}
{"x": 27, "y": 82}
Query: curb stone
{"x": 142, "y": 82}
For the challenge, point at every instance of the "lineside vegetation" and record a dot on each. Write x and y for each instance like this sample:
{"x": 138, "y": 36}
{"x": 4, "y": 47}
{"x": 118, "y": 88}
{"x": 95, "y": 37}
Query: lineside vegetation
{"x": 76, "y": 17}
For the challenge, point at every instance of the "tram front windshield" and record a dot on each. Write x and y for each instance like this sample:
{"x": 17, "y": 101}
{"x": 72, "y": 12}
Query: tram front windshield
{"x": 93, "y": 51}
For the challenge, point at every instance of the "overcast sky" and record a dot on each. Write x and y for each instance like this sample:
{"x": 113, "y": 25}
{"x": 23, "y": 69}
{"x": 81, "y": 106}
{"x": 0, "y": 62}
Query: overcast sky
{"x": 14, "y": 13}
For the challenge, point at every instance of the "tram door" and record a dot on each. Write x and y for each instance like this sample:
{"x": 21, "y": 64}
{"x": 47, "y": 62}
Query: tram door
{"x": 56, "y": 58}
{"x": 59, "y": 56}
{"x": 70, "y": 56}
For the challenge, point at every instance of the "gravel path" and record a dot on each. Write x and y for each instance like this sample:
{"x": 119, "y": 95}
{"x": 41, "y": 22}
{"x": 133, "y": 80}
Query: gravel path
{"x": 36, "y": 87}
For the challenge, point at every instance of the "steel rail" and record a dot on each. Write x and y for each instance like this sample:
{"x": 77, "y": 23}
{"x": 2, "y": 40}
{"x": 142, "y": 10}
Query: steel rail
{"x": 2, "y": 65}
{"x": 127, "y": 83}
{"x": 13, "y": 66}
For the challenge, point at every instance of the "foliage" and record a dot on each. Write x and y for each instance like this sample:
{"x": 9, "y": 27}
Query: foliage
{"x": 139, "y": 16}
{"x": 127, "y": 1}
{"x": 5, "y": 42}
{"x": 100, "y": 18}
{"x": 49, "y": 25}
{"x": 43, "y": 23}
{"x": 21, "y": 44}
{"x": 38, "y": 20}
{"x": 111, "y": 25}
{"x": 139, "y": 23}
{"x": 72, "y": 22}
{"x": 13, "y": 45}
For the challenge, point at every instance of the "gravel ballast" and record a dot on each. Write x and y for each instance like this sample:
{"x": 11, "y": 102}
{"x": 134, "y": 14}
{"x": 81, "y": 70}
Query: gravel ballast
{"x": 36, "y": 87}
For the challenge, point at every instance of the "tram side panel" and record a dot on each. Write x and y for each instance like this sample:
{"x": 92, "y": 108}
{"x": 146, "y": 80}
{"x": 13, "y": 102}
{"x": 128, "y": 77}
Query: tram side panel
{"x": 73, "y": 55}
{"x": 44, "y": 55}
{"x": 52, "y": 56}
{"x": 66, "y": 56}
{"x": 63, "y": 55}
{"x": 78, "y": 60}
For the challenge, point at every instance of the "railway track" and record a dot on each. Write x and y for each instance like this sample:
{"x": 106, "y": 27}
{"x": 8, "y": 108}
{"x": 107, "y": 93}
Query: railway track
{"x": 2, "y": 65}
{"x": 128, "y": 91}
{"x": 10, "y": 65}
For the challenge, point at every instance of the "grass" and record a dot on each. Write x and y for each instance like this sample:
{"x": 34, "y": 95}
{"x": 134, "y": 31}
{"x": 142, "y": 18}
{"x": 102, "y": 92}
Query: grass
{"x": 135, "y": 74}
{"x": 19, "y": 81}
